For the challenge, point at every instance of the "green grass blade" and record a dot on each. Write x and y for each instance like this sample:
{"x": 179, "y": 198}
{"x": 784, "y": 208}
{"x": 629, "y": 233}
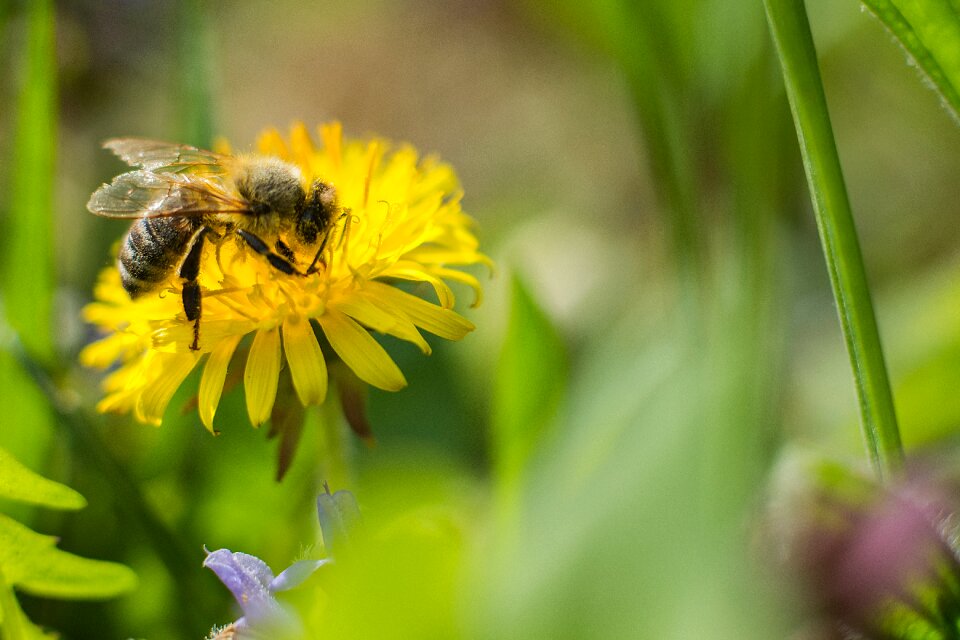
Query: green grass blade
{"x": 26, "y": 262}
{"x": 196, "y": 51}
{"x": 28, "y": 272}
{"x": 929, "y": 30}
{"x": 531, "y": 378}
{"x": 794, "y": 43}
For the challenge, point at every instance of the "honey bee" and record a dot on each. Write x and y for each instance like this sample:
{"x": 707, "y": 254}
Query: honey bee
{"x": 181, "y": 196}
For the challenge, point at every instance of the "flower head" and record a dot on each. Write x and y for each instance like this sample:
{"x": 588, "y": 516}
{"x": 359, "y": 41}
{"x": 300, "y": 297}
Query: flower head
{"x": 401, "y": 223}
{"x": 879, "y": 561}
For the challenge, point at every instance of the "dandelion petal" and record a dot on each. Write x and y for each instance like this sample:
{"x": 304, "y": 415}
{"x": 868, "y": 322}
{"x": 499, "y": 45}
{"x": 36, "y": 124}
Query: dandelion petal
{"x": 307, "y": 367}
{"x": 361, "y": 352}
{"x": 367, "y": 312}
{"x": 260, "y": 375}
{"x": 429, "y": 317}
{"x": 211, "y": 384}
{"x": 173, "y": 368}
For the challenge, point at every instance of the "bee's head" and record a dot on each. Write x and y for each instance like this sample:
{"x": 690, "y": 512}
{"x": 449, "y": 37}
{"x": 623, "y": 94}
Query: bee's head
{"x": 316, "y": 213}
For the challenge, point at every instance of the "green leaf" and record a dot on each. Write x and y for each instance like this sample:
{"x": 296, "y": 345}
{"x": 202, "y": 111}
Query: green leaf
{"x": 23, "y": 485}
{"x": 31, "y": 562}
{"x": 929, "y": 30}
{"x": 530, "y": 382}
{"x": 13, "y": 621}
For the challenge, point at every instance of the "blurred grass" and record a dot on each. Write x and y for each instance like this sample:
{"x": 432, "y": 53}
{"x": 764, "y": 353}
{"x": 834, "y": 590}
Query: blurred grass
{"x": 617, "y": 536}
{"x": 643, "y": 39}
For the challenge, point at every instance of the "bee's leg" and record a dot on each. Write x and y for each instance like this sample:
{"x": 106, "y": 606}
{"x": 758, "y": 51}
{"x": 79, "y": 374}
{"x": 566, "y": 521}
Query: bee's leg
{"x": 318, "y": 259}
{"x": 286, "y": 252}
{"x": 189, "y": 271}
{"x": 277, "y": 262}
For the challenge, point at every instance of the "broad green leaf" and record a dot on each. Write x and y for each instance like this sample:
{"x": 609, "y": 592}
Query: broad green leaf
{"x": 930, "y": 32}
{"x": 31, "y": 562}
{"x": 530, "y": 381}
{"x": 19, "y": 483}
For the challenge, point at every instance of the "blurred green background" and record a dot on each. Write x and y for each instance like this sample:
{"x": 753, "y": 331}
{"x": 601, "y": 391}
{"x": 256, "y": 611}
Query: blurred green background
{"x": 658, "y": 331}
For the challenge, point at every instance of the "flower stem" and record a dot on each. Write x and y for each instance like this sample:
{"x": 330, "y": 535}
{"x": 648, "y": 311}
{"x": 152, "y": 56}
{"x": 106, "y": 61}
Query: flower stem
{"x": 798, "y": 57}
{"x": 334, "y": 454}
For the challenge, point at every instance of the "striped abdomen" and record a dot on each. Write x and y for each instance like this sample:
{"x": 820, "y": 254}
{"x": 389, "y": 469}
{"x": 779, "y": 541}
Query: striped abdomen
{"x": 152, "y": 251}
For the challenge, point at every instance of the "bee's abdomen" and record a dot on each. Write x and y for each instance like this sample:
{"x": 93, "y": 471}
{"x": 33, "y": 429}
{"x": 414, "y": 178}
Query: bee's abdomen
{"x": 152, "y": 250}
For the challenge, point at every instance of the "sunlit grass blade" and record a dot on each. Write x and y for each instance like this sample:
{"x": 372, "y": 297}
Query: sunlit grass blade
{"x": 28, "y": 245}
{"x": 838, "y": 234}
{"x": 26, "y": 263}
{"x": 929, "y": 30}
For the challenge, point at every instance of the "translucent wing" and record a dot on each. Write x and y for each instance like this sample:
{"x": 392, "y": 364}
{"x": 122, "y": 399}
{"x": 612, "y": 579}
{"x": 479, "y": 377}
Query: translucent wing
{"x": 144, "y": 194}
{"x": 167, "y": 157}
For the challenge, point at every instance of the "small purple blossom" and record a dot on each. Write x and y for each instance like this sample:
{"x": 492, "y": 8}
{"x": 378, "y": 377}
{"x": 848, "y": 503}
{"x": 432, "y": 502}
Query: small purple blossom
{"x": 253, "y": 585}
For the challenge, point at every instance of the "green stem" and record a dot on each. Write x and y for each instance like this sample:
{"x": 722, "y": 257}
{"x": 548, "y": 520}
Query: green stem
{"x": 335, "y": 455}
{"x": 798, "y": 57}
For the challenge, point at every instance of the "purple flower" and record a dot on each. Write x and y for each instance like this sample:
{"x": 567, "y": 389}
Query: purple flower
{"x": 253, "y": 586}
{"x": 881, "y": 560}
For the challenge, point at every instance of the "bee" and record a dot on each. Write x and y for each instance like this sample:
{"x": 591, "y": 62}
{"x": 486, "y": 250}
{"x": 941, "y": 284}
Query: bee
{"x": 180, "y": 197}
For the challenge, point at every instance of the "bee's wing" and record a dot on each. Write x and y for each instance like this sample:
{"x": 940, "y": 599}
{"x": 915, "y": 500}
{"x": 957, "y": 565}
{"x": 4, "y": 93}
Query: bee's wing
{"x": 143, "y": 194}
{"x": 168, "y": 157}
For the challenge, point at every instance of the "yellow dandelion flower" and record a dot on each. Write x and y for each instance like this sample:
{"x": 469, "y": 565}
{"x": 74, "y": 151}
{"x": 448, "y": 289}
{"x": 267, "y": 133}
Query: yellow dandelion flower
{"x": 399, "y": 220}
